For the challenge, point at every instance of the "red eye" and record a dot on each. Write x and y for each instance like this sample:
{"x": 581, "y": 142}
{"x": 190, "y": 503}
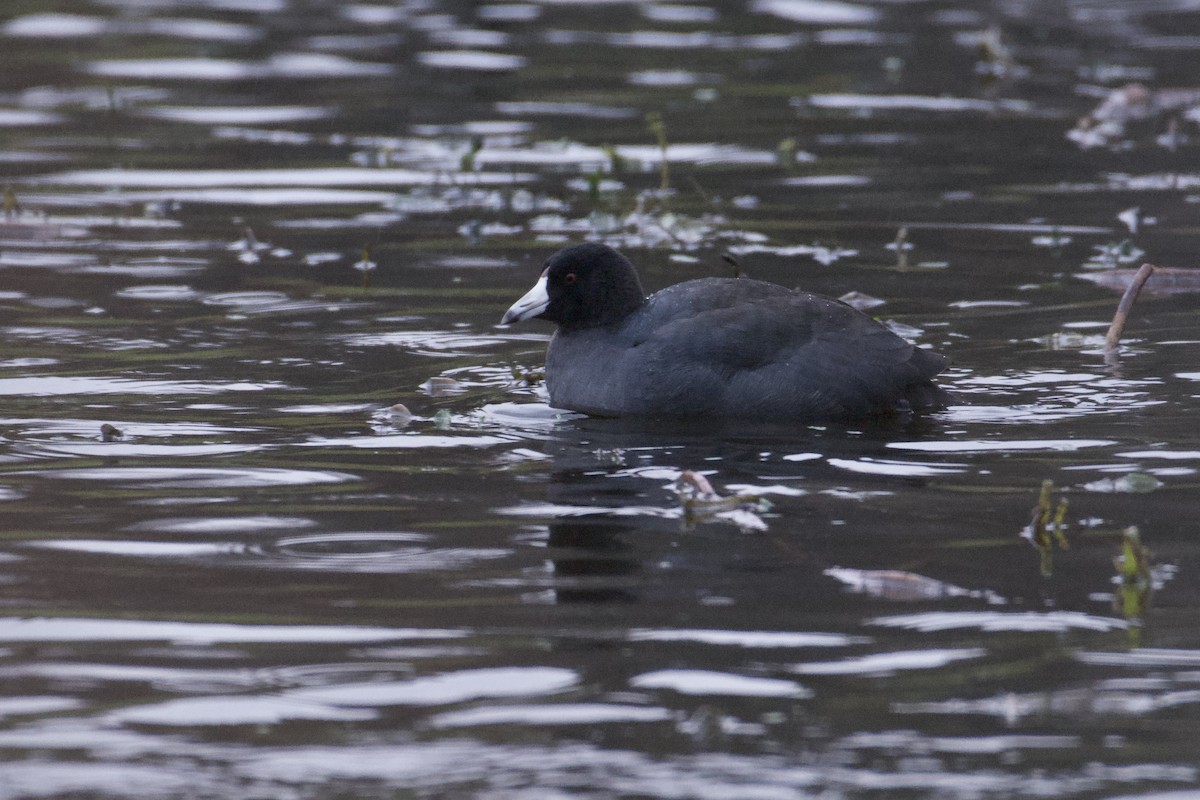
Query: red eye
{"x": 570, "y": 278}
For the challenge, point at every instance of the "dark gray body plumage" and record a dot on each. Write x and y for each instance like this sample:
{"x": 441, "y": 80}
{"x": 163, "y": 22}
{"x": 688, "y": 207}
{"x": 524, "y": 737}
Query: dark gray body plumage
{"x": 728, "y": 347}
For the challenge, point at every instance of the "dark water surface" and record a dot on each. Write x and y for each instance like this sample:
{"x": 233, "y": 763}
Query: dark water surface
{"x": 264, "y": 584}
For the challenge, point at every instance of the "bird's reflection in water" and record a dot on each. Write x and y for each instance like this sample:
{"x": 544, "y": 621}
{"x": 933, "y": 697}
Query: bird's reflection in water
{"x": 592, "y": 554}
{"x": 592, "y": 561}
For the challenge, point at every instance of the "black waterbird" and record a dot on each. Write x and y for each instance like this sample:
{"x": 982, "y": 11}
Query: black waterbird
{"x": 716, "y": 347}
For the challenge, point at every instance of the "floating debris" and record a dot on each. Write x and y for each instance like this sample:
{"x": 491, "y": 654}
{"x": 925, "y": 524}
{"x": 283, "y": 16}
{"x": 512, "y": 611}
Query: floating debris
{"x": 820, "y": 253}
{"x": 702, "y": 503}
{"x": 901, "y": 586}
{"x": 1108, "y": 123}
{"x": 904, "y": 330}
{"x": 442, "y": 419}
{"x": 1114, "y": 254}
{"x": 861, "y": 301}
{"x": 248, "y": 248}
{"x": 399, "y": 415}
{"x": 442, "y": 386}
{"x": 1053, "y": 241}
{"x": 1132, "y": 219}
{"x": 1132, "y": 483}
{"x": 110, "y": 433}
{"x": 528, "y": 377}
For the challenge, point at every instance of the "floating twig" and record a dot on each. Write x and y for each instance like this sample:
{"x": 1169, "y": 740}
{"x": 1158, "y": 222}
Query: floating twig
{"x": 1118, "y": 323}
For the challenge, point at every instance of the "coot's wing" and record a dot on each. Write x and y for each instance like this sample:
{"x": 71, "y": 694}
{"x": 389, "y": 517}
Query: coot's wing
{"x": 747, "y": 348}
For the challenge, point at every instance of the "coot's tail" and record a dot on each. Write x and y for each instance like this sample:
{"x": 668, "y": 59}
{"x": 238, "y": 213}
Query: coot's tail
{"x": 924, "y": 395}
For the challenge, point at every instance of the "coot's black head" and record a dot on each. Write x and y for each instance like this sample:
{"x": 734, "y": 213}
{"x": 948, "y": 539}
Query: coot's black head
{"x": 582, "y": 286}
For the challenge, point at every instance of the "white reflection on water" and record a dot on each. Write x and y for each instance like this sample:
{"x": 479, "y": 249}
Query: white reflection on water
{"x": 75, "y": 26}
{"x": 880, "y": 664}
{"x": 555, "y": 714}
{"x": 1170, "y": 455}
{"x": 537, "y": 108}
{"x": 65, "y": 629}
{"x": 1144, "y": 657}
{"x": 36, "y": 704}
{"x": 201, "y": 477}
{"x": 160, "y": 293}
{"x": 31, "y": 427}
{"x": 19, "y": 258}
{"x": 672, "y": 13}
{"x": 450, "y": 687}
{"x": 562, "y": 510}
{"x": 235, "y": 197}
{"x": 19, "y": 118}
{"x": 235, "y": 710}
{"x": 874, "y": 466}
{"x": 672, "y": 40}
{"x": 46, "y": 778}
{"x": 127, "y": 449}
{"x": 566, "y": 153}
{"x": 1086, "y": 703}
{"x": 410, "y": 441}
{"x": 284, "y": 65}
{"x": 709, "y": 682}
{"x": 817, "y": 12}
{"x": 753, "y": 639}
{"x": 215, "y": 524}
{"x": 57, "y": 26}
{"x": 145, "y": 549}
{"x": 863, "y": 102}
{"x": 476, "y": 60}
{"x": 1002, "y": 445}
{"x": 669, "y": 77}
{"x": 52, "y": 385}
{"x": 994, "y": 621}
{"x": 237, "y": 115}
{"x": 324, "y": 177}
{"x": 443, "y": 344}
{"x": 372, "y": 552}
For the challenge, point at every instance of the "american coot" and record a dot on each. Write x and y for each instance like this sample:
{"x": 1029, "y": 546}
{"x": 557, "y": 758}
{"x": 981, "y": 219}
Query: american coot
{"x": 716, "y": 347}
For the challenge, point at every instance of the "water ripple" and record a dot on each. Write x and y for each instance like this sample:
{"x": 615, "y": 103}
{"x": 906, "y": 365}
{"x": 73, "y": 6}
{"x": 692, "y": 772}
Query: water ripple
{"x": 447, "y": 688}
{"x": 572, "y": 714}
{"x": 64, "y": 629}
{"x": 50, "y": 385}
{"x": 200, "y": 477}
